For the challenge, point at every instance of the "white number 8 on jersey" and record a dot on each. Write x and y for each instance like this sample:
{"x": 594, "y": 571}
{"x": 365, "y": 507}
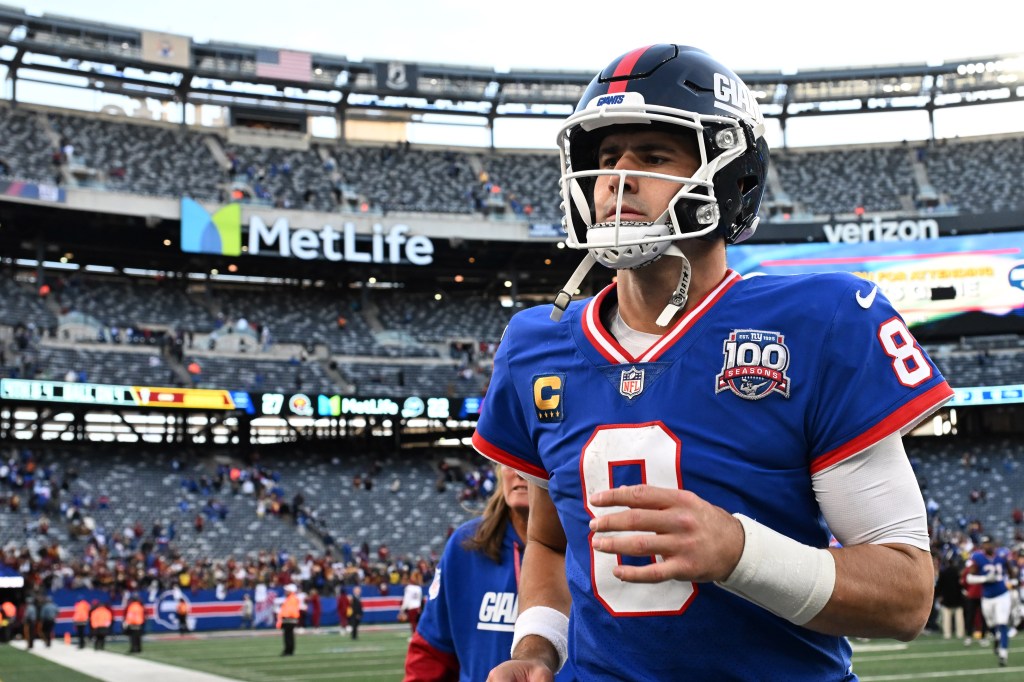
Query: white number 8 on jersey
{"x": 656, "y": 451}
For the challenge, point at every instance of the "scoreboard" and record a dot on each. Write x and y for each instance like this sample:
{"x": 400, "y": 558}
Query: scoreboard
{"x": 257, "y": 404}
{"x": 117, "y": 395}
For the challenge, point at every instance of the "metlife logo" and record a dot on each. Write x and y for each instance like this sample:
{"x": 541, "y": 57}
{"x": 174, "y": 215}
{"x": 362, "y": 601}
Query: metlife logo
{"x": 219, "y": 232}
{"x": 334, "y": 245}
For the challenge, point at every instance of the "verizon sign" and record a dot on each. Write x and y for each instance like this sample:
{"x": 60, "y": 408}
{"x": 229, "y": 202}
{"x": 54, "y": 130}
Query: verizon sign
{"x": 879, "y": 230}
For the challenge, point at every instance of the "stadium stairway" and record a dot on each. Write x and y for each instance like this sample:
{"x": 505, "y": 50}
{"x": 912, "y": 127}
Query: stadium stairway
{"x": 111, "y": 667}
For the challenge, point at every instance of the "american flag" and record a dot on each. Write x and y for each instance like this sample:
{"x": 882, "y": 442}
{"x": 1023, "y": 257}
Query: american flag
{"x": 284, "y": 64}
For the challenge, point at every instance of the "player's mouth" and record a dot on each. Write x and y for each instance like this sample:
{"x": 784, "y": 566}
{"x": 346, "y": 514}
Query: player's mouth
{"x": 627, "y": 213}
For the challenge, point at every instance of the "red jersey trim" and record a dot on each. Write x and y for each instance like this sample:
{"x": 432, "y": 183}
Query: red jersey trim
{"x": 613, "y": 352}
{"x": 691, "y": 318}
{"x": 903, "y": 418}
{"x": 594, "y": 330}
{"x": 491, "y": 451}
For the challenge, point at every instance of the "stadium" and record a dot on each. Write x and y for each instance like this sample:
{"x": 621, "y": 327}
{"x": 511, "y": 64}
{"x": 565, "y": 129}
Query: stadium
{"x": 246, "y": 327}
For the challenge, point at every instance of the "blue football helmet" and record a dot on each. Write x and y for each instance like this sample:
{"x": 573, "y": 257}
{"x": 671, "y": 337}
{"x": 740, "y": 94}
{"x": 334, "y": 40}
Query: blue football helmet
{"x": 680, "y": 89}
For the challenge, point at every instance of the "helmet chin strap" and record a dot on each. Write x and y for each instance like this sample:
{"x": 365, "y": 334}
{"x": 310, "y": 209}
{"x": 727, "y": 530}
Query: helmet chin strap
{"x": 675, "y": 302}
{"x": 678, "y": 298}
{"x": 564, "y": 296}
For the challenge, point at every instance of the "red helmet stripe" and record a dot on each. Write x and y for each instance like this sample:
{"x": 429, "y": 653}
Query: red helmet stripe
{"x": 624, "y": 68}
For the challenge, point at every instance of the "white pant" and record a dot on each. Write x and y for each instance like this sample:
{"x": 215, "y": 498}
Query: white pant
{"x": 996, "y": 610}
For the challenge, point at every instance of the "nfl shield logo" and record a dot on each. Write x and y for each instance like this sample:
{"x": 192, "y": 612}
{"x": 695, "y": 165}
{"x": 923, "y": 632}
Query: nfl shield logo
{"x": 632, "y": 383}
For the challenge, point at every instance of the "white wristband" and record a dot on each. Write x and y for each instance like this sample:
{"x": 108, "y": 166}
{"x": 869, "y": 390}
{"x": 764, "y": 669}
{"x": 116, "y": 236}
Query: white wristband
{"x": 792, "y": 580}
{"x": 546, "y": 622}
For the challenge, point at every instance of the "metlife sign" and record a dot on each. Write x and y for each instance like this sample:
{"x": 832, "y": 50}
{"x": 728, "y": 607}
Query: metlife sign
{"x": 307, "y": 244}
{"x": 220, "y": 233}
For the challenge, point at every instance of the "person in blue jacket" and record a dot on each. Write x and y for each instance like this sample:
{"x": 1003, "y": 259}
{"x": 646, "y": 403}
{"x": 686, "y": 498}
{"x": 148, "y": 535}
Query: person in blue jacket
{"x": 467, "y": 623}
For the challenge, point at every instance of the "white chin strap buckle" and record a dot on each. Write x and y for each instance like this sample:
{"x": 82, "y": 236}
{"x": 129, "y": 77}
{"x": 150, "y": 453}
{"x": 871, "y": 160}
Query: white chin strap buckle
{"x": 678, "y": 299}
{"x": 564, "y": 297}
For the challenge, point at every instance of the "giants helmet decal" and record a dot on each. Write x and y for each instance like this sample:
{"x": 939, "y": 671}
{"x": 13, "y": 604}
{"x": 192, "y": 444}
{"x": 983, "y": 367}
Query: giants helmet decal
{"x": 683, "y": 90}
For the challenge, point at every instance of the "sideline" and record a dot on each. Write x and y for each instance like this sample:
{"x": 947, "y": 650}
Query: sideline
{"x": 111, "y": 667}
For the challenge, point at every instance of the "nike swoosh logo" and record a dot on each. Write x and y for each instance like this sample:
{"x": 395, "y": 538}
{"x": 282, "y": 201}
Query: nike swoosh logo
{"x": 866, "y": 301}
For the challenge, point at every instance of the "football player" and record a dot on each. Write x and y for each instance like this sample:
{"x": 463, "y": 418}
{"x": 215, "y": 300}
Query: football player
{"x": 693, "y": 436}
{"x": 992, "y": 568}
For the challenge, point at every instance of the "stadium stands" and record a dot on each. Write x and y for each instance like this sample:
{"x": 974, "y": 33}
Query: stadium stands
{"x": 286, "y": 178}
{"x": 122, "y": 500}
{"x": 25, "y": 151}
{"x": 431, "y": 321}
{"x": 135, "y": 302}
{"x": 125, "y": 365}
{"x": 150, "y": 159}
{"x": 977, "y": 176}
{"x": 838, "y": 181}
{"x": 400, "y": 178}
{"x": 971, "y": 483}
{"x": 272, "y": 337}
{"x": 21, "y": 304}
{"x": 111, "y": 503}
{"x": 284, "y": 338}
{"x": 154, "y": 158}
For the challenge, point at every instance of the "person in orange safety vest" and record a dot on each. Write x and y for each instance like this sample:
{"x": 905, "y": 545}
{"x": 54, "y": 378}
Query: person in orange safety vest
{"x": 181, "y": 611}
{"x": 288, "y": 618}
{"x": 81, "y": 620}
{"x": 134, "y": 619}
{"x": 8, "y": 613}
{"x": 100, "y": 621}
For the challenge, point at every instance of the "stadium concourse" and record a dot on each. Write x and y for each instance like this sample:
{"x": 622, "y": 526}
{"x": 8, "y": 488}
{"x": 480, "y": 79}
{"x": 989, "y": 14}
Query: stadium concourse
{"x": 111, "y": 667}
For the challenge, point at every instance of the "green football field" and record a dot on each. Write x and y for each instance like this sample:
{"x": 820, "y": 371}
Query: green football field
{"x": 379, "y": 653}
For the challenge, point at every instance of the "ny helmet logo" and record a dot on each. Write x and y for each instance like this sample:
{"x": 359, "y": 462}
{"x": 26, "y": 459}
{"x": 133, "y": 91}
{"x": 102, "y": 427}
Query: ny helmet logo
{"x": 218, "y": 234}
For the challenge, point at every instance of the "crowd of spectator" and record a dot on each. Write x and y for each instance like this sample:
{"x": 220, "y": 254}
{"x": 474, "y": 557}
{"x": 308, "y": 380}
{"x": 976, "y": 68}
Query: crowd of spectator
{"x": 118, "y": 154}
{"x": 61, "y": 543}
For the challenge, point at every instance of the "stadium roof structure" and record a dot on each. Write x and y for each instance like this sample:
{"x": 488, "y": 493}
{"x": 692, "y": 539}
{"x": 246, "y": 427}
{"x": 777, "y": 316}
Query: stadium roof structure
{"x": 119, "y": 59}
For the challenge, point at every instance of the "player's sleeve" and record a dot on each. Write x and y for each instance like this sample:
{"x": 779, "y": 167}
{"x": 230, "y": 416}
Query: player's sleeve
{"x": 426, "y": 663}
{"x": 873, "y": 498}
{"x": 502, "y": 430}
{"x": 873, "y": 378}
{"x": 435, "y": 626}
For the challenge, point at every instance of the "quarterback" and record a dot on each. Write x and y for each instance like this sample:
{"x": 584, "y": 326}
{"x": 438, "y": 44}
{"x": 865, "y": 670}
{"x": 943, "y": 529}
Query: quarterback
{"x": 692, "y": 436}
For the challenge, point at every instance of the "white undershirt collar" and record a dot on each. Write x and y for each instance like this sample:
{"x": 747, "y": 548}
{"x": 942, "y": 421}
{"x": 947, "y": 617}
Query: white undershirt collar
{"x": 634, "y": 342}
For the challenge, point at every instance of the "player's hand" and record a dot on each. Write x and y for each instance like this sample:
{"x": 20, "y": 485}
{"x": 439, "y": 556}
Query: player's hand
{"x": 694, "y": 540}
{"x": 521, "y": 671}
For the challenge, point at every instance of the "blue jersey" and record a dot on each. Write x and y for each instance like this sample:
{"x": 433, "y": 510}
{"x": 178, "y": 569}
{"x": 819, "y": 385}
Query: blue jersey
{"x": 472, "y": 604}
{"x": 765, "y": 382}
{"x": 997, "y": 565}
